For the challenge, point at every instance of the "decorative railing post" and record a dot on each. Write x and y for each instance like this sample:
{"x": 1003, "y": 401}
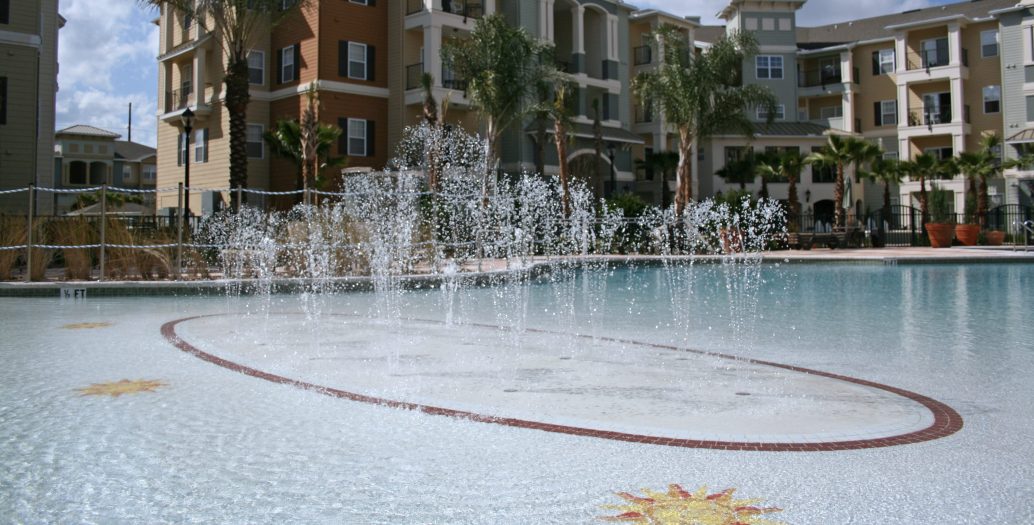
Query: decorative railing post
{"x": 104, "y": 228}
{"x": 179, "y": 231}
{"x": 28, "y": 233}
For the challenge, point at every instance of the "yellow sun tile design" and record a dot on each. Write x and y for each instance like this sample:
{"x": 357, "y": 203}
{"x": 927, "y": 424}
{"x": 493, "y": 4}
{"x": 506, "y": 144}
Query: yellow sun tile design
{"x": 678, "y": 507}
{"x": 85, "y": 326}
{"x": 118, "y": 388}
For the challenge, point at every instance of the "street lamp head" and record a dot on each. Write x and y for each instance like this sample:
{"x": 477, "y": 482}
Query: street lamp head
{"x": 610, "y": 149}
{"x": 187, "y": 118}
{"x": 807, "y": 195}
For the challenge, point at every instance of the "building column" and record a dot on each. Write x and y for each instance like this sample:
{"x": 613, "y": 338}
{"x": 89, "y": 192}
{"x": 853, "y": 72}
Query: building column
{"x": 904, "y": 149}
{"x": 958, "y": 102}
{"x": 546, "y": 20}
{"x": 612, "y": 38}
{"x": 900, "y": 51}
{"x": 432, "y": 48}
{"x": 848, "y": 103}
{"x": 578, "y": 30}
{"x": 199, "y": 77}
{"x": 903, "y": 108}
{"x": 954, "y": 45}
{"x": 489, "y": 7}
{"x": 958, "y": 143}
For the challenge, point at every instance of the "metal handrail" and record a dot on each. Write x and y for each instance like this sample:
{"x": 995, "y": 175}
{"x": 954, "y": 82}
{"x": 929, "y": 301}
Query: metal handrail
{"x": 1028, "y": 226}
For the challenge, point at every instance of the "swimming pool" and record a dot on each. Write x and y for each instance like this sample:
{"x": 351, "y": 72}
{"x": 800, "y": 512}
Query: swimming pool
{"x": 604, "y": 350}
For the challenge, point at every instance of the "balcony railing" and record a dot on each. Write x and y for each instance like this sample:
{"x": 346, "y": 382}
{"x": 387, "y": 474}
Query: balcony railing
{"x": 177, "y": 99}
{"x": 463, "y": 8}
{"x": 413, "y": 74}
{"x": 928, "y": 59}
{"x": 451, "y": 81}
{"x": 414, "y": 6}
{"x": 819, "y": 77}
{"x": 642, "y": 55}
{"x": 929, "y": 118}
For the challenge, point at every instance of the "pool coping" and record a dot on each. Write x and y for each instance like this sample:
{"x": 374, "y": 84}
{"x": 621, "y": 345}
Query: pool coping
{"x": 497, "y": 271}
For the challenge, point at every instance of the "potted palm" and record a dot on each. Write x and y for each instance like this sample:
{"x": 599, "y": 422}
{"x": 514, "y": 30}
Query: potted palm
{"x": 940, "y": 229}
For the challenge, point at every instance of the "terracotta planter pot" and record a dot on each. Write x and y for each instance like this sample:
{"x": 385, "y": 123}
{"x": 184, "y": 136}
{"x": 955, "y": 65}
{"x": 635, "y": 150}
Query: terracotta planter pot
{"x": 967, "y": 234}
{"x": 940, "y": 234}
{"x": 994, "y": 238}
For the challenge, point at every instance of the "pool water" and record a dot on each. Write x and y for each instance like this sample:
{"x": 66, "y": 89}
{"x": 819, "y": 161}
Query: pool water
{"x": 205, "y": 443}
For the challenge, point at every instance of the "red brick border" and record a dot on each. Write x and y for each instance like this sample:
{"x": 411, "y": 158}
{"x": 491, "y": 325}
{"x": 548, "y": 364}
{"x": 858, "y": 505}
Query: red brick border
{"x": 946, "y": 420}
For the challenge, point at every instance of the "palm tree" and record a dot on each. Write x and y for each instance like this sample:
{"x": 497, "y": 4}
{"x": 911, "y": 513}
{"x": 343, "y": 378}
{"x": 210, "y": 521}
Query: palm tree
{"x": 839, "y": 152}
{"x": 502, "y": 65}
{"x": 560, "y": 111}
{"x": 739, "y": 171}
{"x": 886, "y": 172}
{"x": 784, "y": 166}
{"x": 701, "y": 94}
{"x": 990, "y": 145}
{"x": 662, "y": 162}
{"x": 285, "y": 140}
{"x": 976, "y": 167}
{"x": 922, "y": 168}
{"x": 237, "y": 25}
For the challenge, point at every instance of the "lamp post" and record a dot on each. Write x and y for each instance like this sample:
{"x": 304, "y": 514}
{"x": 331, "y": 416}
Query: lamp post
{"x": 613, "y": 170}
{"x": 187, "y": 118}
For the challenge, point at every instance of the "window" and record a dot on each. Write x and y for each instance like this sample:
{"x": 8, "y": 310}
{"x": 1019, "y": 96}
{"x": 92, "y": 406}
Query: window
{"x": 734, "y": 154}
{"x": 357, "y": 138}
{"x": 1030, "y": 108}
{"x": 77, "y": 172}
{"x": 98, "y": 173}
{"x": 3, "y": 100}
{"x": 254, "y": 141}
{"x": 769, "y": 66}
{"x": 785, "y": 24}
{"x": 768, "y": 24}
{"x": 201, "y": 145}
{"x": 890, "y": 155}
{"x": 886, "y": 113}
{"x": 148, "y": 173}
{"x": 992, "y": 99}
{"x": 935, "y": 52}
{"x": 362, "y": 2}
{"x": 943, "y": 153}
{"x": 780, "y": 113}
{"x": 357, "y": 60}
{"x": 182, "y": 147}
{"x": 829, "y": 112}
{"x": 5, "y": 12}
{"x": 186, "y": 82}
{"x": 256, "y": 67}
{"x": 127, "y": 174}
{"x": 187, "y": 22}
{"x": 287, "y": 69}
{"x": 883, "y": 62}
{"x": 989, "y": 43}
{"x": 937, "y": 108}
{"x": 751, "y": 24}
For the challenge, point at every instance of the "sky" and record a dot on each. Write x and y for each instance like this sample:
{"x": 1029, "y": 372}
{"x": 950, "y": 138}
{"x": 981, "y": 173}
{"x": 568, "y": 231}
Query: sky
{"x": 107, "y": 52}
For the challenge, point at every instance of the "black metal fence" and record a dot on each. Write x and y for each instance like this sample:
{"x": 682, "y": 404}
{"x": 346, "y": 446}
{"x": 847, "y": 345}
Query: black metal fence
{"x": 903, "y": 225}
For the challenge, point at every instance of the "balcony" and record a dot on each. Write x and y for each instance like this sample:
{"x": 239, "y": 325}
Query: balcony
{"x": 642, "y": 55}
{"x": 929, "y": 59}
{"x": 819, "y": 77}
{"x": 177, "y": 99}
{"x": 643, "y": 114}
{"x": 451, "y": 81}
{"x": 414, "y": 6}
{"x": 929, "y": 118}
{"x": 413, "y": 74}
{"x": 463, "y": 8}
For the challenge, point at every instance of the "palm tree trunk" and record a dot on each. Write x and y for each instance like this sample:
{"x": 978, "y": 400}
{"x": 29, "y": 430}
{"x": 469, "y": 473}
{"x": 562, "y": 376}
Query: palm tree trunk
{"x": 795, "y": 203}
{"x": 237, "y": 98}
{"x": 684, "y": 173}
{"x": 886, "y": 200}
{"x": 491, "y": 159}
{"x": 838, "y": 196}
{"x": 540, "y": 145}
{"x": 560, "y": 137}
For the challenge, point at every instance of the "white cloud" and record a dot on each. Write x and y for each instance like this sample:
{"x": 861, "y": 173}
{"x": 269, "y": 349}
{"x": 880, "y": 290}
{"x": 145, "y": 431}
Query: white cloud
{"x": 109, "y": 111}
{"x": 107, "y": 53}
{"x": 815, "y": 12}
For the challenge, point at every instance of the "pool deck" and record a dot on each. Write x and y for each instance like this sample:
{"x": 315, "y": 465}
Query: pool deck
{"x": 487, "y": 268}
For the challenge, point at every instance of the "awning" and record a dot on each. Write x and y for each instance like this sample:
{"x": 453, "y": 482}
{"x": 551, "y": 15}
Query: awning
{"x": 1024, "y": 137}
{"x": 584, "y": 131}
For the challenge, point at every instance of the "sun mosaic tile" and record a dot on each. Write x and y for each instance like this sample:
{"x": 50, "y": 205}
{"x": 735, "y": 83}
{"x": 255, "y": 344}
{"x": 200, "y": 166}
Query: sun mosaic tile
{"x": 679, "y": 507}
{"x": 118, "y": 388}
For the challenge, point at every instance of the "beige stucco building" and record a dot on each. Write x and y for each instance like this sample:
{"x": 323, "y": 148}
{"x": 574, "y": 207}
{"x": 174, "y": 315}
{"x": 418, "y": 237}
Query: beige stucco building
{"x": 28, "y": 87}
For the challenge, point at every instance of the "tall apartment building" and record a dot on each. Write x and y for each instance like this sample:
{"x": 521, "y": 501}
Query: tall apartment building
{"x": 341, "y": 47}
{"x": 922, "y": 81}
{"x": 933, "y": 80}
{"x": 590, "y": 38}
{"x": 1017, "y": 39}
{"x": 28, "y": 87}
